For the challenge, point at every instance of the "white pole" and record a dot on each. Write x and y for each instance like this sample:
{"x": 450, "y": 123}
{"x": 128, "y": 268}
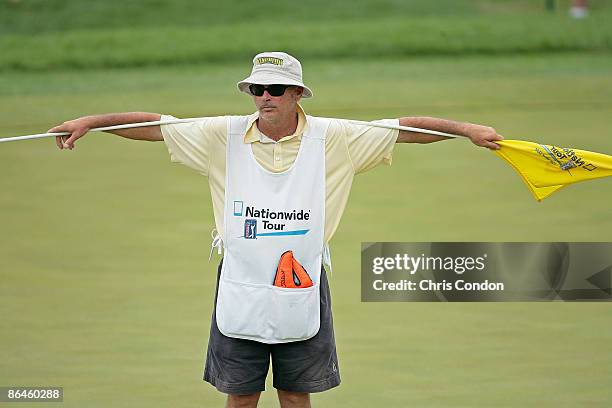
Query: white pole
{"x": 406, "y": 128}
{"x": 101, "y": 129}
{"x": 173, "y": 121}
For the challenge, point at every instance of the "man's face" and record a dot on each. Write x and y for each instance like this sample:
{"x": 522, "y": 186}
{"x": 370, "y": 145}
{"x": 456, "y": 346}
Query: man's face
{"x": 276, "y": 109}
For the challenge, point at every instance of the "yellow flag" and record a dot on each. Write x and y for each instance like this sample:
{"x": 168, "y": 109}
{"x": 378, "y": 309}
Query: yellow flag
{"x": 547, "y": 168}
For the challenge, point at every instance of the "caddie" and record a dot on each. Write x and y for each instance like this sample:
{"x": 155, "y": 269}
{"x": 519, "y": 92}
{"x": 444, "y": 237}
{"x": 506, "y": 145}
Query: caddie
{"x": 279, "y": 181}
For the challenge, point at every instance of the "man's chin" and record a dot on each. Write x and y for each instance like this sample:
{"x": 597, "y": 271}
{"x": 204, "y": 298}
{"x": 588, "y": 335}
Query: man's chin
{"x": 268, "y": 113}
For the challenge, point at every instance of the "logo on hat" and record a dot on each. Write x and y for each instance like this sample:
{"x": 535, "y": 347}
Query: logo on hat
{"x": 268, "y": 60}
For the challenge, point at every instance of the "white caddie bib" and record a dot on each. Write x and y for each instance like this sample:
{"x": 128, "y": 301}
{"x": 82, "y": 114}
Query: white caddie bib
{"x": 267, "y": 214}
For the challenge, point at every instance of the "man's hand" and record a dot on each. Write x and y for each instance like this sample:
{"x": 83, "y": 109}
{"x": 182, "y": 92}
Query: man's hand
{"x": 484, "y": 136}
{"x": 77, "y": 128}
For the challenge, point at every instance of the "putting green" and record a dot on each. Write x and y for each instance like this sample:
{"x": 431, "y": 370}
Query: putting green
{"x": 106, "y": 289}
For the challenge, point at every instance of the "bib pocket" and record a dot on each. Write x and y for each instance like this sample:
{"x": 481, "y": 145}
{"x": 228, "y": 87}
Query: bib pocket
{"x": 267, "y": 313}
{"x": 296, "y": 312}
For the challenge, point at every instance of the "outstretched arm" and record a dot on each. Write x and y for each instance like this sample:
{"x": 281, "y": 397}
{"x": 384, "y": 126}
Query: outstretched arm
{"x": 79, "y": 127}
{"x": 484, "y": 136}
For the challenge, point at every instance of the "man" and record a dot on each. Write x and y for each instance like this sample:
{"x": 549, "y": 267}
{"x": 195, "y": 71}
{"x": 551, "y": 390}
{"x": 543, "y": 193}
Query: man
{"x": 279, "y": 181}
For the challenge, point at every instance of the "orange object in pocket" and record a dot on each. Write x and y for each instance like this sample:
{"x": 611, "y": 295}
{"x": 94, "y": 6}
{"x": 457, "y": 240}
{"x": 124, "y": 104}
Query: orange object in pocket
{"x": 290, "y": 274}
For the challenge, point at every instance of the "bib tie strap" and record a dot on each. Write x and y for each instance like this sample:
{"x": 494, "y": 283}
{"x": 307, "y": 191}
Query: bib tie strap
{"x": 217, "y": 242}
{"x": 327, "y": 258}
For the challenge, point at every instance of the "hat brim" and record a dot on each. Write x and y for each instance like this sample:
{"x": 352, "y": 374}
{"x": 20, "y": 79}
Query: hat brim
{"x": 260, "y": 79}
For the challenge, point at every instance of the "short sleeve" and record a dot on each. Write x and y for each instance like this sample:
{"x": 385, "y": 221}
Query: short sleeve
{"x": 188, "y": 143}
{"x": 370, "y": 146}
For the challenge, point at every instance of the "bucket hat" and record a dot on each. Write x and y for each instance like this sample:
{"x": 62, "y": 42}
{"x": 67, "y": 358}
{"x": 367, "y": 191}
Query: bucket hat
{"x": 271, "y": 68}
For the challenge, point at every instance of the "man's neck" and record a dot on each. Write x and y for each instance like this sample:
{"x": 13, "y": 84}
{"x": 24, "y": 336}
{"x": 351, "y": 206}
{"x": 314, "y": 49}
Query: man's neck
{"x": 277, "y": 131}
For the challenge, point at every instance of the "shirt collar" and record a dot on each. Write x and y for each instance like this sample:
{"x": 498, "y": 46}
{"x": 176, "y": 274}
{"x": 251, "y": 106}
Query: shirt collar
{"x": 254, "y": 135}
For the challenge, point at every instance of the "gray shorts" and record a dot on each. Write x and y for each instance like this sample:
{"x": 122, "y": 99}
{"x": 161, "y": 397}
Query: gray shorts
{"x": 238, "y": 366}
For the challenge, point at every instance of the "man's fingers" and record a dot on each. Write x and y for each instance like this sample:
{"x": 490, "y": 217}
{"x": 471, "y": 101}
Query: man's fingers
{"x": 69, "y": 142}
{"x": 492, "y": 146}
{"x": 488, "y": 143}
{"x": 491, "y": 142}
{"x": 495, "y": 138}
{"x": 59, "y": 128}
{"x": 77, "y": 134}
{"x": 59, "y": 140}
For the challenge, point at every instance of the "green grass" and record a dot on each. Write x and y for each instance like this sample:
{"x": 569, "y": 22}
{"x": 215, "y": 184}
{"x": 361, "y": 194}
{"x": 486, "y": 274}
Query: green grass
{"x": 106, "y": 289}
{"x": 166, "y": 33}
{"x": 43, "y": 16}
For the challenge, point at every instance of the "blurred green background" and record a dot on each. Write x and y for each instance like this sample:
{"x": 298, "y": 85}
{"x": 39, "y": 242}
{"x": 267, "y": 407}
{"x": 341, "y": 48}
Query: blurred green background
{"x": 106, "y": 288}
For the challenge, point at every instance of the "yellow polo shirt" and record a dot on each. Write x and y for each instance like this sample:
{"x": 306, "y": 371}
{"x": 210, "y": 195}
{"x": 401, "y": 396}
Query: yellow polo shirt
{"x": 349, "y": 149}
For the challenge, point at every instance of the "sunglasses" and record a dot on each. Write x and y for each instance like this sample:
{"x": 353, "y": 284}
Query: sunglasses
{"x": 273, "y": 90}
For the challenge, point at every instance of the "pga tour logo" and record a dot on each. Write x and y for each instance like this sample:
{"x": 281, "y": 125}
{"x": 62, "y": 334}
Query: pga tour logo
{"x": 250, "y": 229}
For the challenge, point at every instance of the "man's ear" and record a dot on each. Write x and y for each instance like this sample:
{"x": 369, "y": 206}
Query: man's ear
{"x": 299, "y": 91}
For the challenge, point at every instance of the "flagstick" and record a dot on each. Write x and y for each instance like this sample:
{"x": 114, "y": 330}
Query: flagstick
{"x": 188, "y": 120}
{"x": 102, "y": 129}
{"x": 406, "y": 128}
